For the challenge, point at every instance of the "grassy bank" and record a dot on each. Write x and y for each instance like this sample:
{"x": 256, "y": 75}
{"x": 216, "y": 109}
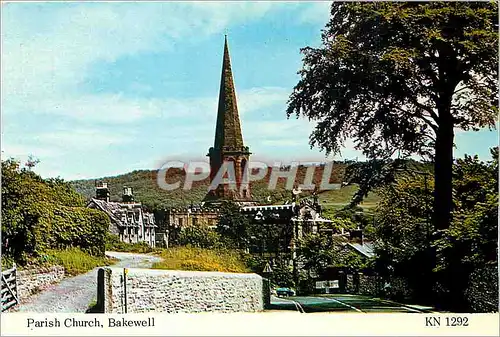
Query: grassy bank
{"x": 188, "y": 258}
{"x": 75, "y": 261}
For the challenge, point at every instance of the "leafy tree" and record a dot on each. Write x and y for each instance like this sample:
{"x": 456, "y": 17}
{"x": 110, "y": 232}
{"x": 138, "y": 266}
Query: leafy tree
{"x": 466, "y": 251}
{"x": 402, "y": 233}
{"x": 234, "y": 226}
{"x": 399, "y": 77}
{"x": 199, "y": 236}
{"x": 38, "y": 215}
{"x": 314, "y": 251}
{"x": 471, "y": 242}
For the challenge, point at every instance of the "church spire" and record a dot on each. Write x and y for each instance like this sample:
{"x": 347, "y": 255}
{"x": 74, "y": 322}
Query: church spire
{"x": 228, "y": 145}
{"x": 228, "y": 129}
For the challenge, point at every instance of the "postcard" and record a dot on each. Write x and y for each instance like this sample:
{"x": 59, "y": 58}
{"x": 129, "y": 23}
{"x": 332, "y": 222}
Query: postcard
{"x": 249, "y": 168}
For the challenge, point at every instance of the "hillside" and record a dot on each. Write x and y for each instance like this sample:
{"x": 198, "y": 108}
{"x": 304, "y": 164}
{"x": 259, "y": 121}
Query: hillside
{"x": 147, "y": 191}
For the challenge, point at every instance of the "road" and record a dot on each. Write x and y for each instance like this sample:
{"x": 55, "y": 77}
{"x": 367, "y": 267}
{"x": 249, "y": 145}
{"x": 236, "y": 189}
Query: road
{"x": 341, "y": 303}
{"x": 74, "y": 294}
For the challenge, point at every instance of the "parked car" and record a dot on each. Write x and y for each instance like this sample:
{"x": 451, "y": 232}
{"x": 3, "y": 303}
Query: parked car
{"x": 285, "y": 292}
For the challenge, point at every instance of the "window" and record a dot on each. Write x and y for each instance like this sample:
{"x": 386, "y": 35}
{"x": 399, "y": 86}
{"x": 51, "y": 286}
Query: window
{"x": 195, "y": 220}
{"x": 180, "y": 222}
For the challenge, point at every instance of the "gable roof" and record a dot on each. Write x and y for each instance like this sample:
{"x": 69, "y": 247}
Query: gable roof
{"x": 366, "y": 249}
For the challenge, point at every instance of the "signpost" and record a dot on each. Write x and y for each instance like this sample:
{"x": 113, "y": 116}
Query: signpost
{"x": 326, "y": 285}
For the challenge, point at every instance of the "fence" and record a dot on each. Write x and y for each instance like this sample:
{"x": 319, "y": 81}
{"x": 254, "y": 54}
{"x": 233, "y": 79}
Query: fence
{"x": 10, "y": 296}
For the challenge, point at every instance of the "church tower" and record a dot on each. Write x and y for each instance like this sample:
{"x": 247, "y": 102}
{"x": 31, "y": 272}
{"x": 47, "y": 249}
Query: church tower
{"x": 229, "y": 149}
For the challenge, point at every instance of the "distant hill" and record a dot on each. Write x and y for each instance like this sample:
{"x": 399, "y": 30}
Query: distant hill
{"x": 146, "y": 190}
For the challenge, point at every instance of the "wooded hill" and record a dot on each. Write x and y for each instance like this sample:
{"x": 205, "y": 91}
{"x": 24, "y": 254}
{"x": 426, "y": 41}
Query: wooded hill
{"x": 147, "y": 191}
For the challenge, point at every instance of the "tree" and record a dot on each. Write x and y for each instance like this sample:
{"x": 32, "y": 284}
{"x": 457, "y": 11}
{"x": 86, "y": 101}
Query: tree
{"x": 234, "y": 226}
{"x": 40, "y": 214}
{"x": 402, "y": 234}
{"x": 399, "y": 77}
{"x": 199, "y": 236}
{"x": 466, "y": 252}
{"x": 315, "y": 252}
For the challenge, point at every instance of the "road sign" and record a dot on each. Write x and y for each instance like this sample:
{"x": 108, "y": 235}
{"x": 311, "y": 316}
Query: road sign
{"x": 327, "y": 284}
{"x": 267, "y": 268}
{"x": 321, "y": 284}
{"x": 334, "y": 284}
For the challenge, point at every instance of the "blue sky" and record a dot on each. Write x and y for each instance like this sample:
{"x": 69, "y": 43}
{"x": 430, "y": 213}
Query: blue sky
{"x": 97, "y": 89}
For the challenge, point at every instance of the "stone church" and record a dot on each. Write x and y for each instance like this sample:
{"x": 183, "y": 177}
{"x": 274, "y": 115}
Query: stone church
{"x": 297, "y": 217}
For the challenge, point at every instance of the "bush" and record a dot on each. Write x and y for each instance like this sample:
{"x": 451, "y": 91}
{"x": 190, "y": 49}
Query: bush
{"x": 199, "y": 236}
{"x": 199, "y": 259}
{"x": 113, "y": 243}
{"x": 482, "y": 292}
{"x": 7, "y": 262}
{"x": 42, "y": 214}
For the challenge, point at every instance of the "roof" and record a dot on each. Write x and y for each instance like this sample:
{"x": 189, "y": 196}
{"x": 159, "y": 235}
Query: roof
{"x": 366, "y": 249}
{"x": 115, "y": 210}
{"x": 267, "y": 208}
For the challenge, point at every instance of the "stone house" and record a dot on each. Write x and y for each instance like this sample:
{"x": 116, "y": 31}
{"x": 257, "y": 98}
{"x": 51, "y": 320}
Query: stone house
{"x": 129, "y": 221}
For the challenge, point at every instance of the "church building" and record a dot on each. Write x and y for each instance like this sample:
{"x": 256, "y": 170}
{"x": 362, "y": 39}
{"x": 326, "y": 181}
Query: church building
{"x": 228, "y": 145}
{"x": 292, "y": 219}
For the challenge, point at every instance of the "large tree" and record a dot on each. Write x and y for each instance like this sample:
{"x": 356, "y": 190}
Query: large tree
{"x": 400, "y": 77}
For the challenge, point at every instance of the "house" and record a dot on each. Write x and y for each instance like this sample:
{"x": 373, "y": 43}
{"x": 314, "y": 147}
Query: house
{"x": 129, "y": 221}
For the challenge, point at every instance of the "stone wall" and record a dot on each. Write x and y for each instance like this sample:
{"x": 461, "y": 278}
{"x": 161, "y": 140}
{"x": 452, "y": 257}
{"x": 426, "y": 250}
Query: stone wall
{"x": 31, "y": 281}
{"x": 178, "y": 291}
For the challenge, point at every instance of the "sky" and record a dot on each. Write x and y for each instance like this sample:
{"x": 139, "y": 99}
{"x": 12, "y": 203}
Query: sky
{"x": 103, "y": 88}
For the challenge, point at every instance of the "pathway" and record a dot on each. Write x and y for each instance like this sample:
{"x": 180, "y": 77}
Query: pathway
{"x": 76, "y": 293}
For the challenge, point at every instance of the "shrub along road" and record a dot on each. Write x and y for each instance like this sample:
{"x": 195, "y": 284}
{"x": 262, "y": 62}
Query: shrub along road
{"x": 76, "y": 293}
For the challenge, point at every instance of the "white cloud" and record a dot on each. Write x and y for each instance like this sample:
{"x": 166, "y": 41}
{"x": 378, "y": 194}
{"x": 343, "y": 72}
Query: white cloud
{"x": 48, "y": 52}
{"x": 44, "y": 64}
{"x": 259, "y": 98}
{"x": 316, "y": 12}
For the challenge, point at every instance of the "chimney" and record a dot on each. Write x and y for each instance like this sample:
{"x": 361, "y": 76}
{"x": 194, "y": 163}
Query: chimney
{"x": 101, "y": 190}
{"x": 128, "y": 195}
{"x": 356, "y": 235}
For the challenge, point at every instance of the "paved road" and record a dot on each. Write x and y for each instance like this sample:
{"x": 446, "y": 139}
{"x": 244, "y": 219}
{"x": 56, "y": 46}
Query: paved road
{"x": 76, "y": 293}
{"x": 340, "y": 303}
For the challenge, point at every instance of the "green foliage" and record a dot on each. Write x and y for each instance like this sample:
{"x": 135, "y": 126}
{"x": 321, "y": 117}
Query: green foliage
{"x": 385, "y": 68}
{"x": 74, "y": 260}
{"x": 199, "y": 237}
{"x": 113, "y": 243}
{"x": 7, "y": 262}
{"x": 282, "y": 275}
{"x": 407, "y": 246}
{"x": 399, "y": 77}
{"x": 144, "y": 184}
{"x": 471, "y": 242}
{"x": 200, "y": 259}
{"x": 39, "y": 214}
{"x": 234, "y": 226}
{"x": 482, "y": 291}
{"x": 315, "y": 252}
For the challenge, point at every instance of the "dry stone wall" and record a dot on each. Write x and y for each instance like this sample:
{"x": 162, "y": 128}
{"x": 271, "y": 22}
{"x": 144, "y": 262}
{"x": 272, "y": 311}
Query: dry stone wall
{"x": 31, "y": 281}
{"x": 149, "y": 290}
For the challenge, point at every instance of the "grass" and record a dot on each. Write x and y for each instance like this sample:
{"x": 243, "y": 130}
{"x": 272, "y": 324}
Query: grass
{"x": 343, "y": 196}
{"x": 92, "y": 308}
{"x": 76, "y": 261}
{"x": 114, "y": 244}
{"x": 199, "y": 259}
